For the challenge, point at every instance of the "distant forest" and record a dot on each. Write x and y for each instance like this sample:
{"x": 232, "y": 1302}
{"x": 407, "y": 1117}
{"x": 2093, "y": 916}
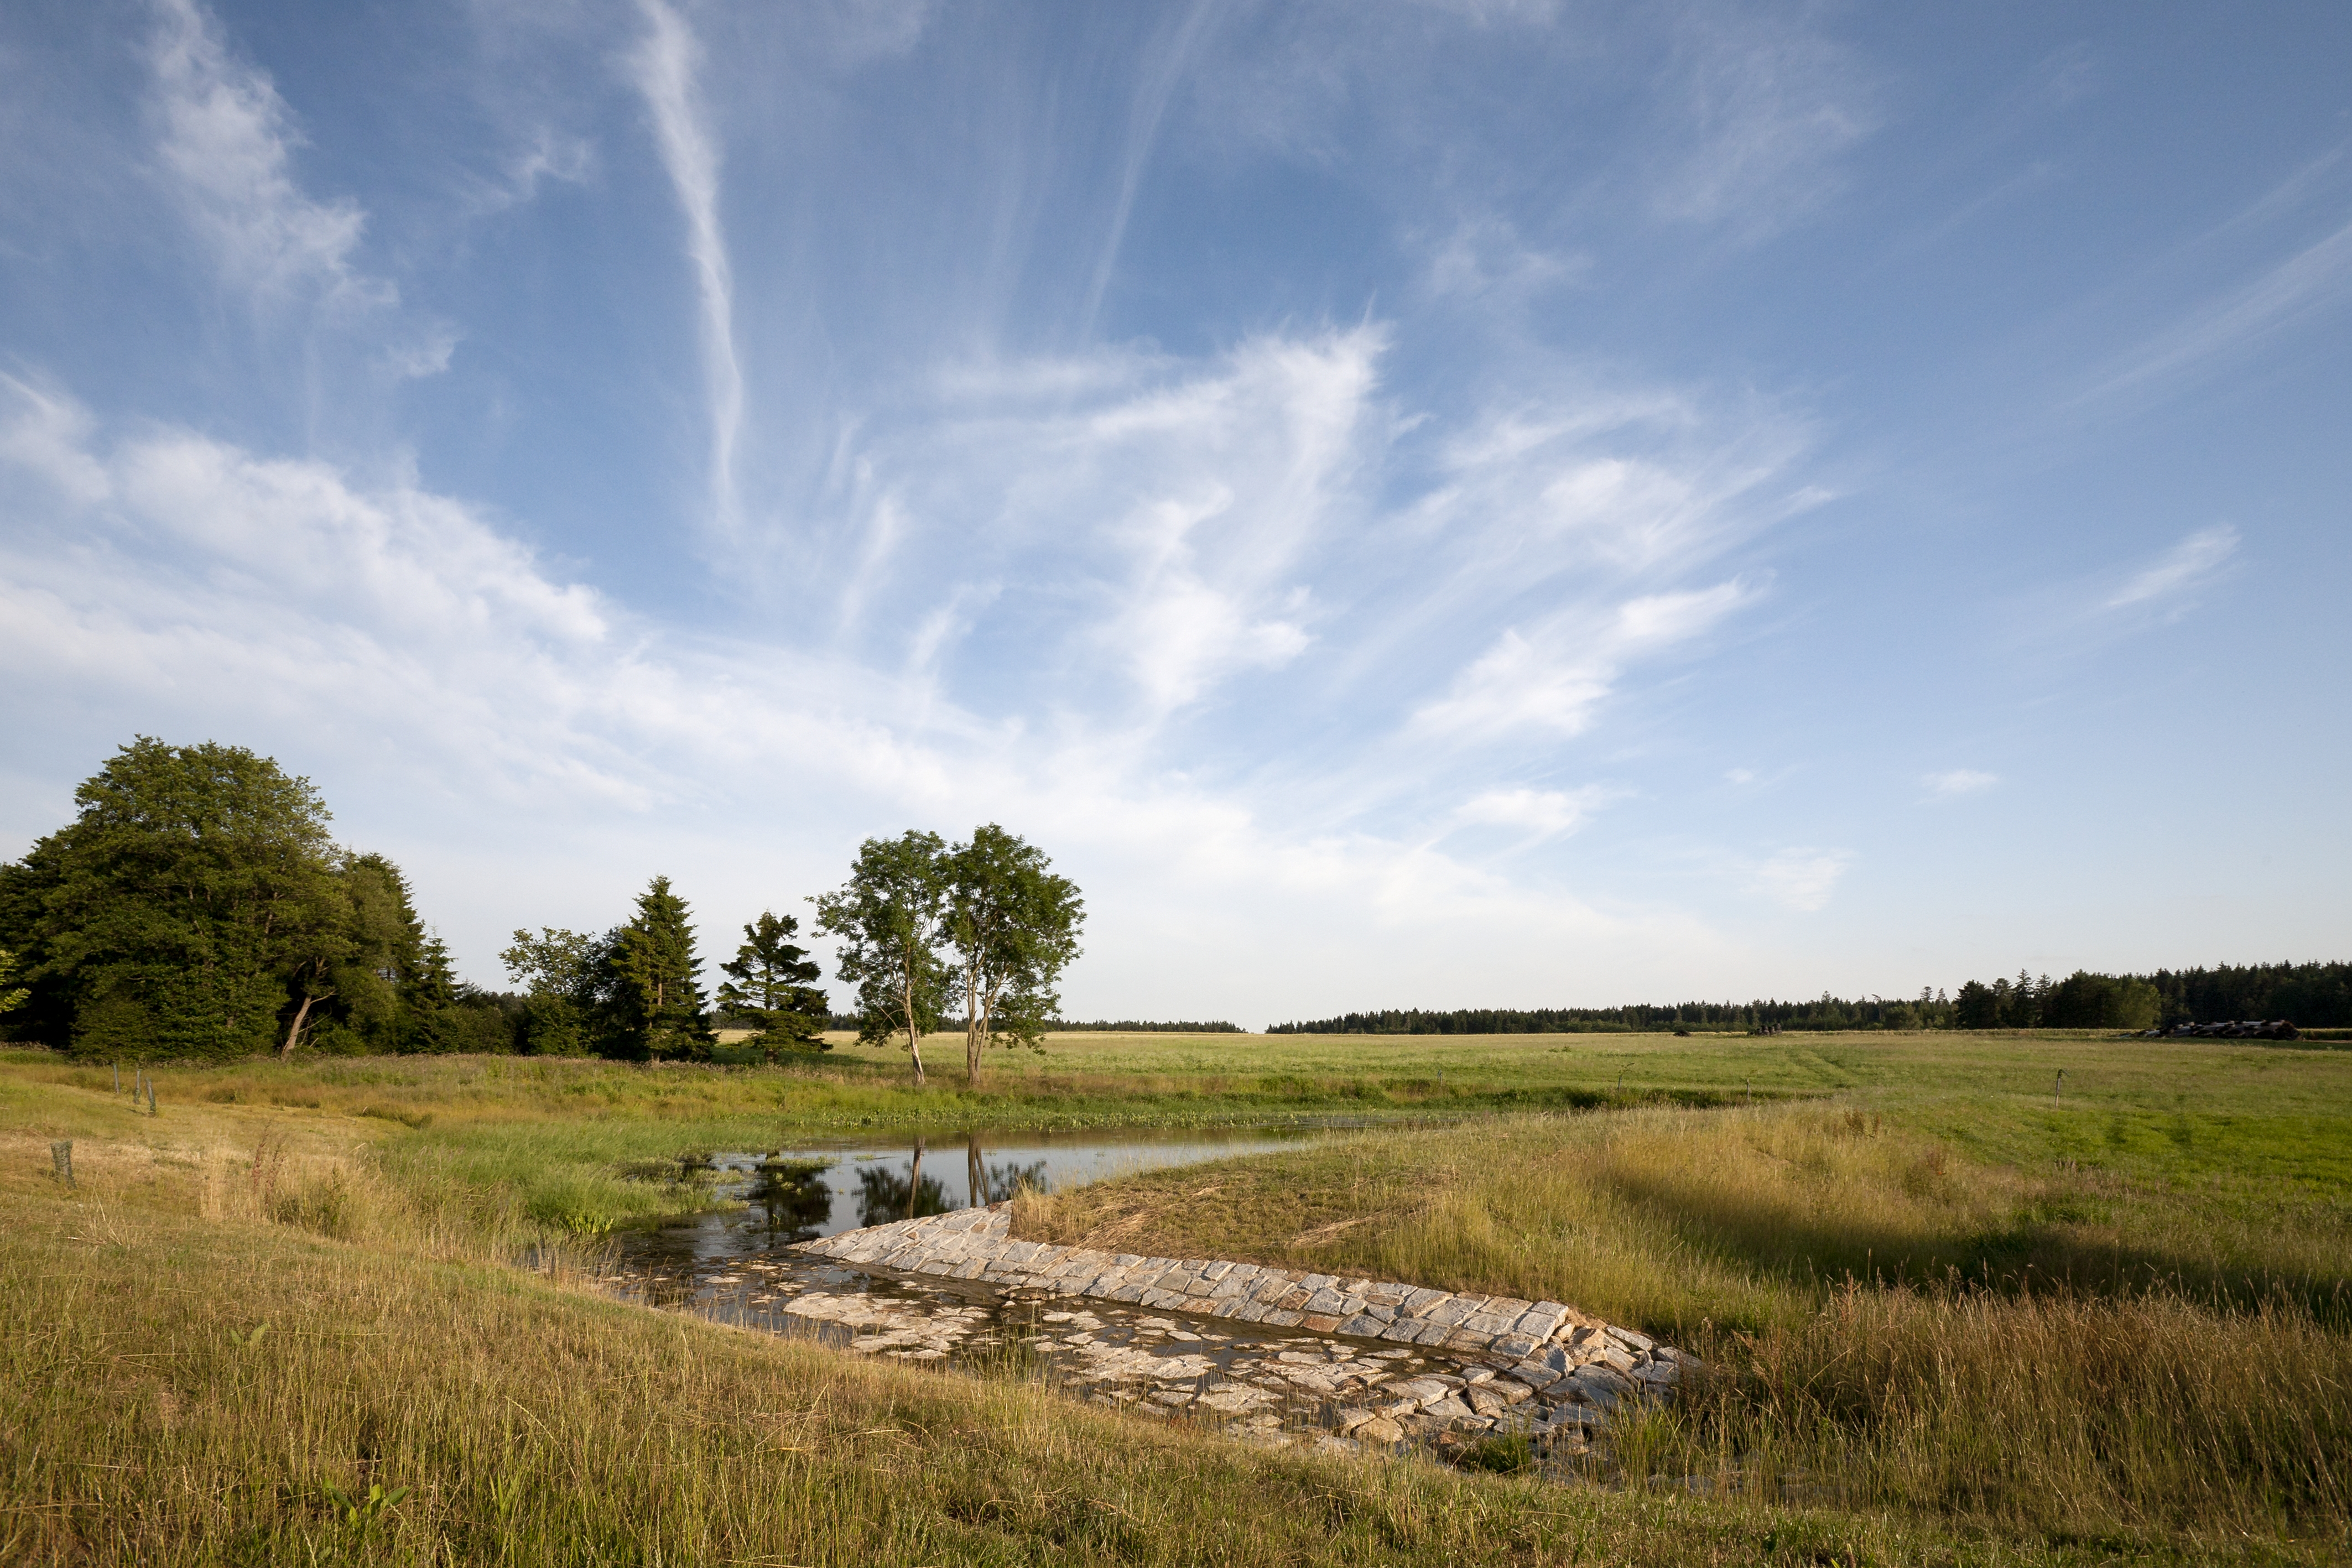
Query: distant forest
{"x": 2313, "y": 996}
{"x": 1099, "y": 1026}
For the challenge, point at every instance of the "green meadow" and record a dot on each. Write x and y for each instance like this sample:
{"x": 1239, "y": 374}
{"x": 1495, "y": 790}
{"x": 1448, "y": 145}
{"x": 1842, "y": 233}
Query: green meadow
{"x": 1946, "y": 1319}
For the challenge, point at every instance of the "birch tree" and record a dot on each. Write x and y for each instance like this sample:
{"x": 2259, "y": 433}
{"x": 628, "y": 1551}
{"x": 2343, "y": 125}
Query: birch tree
{"x": 889, "y": 918}
{"x": 1014, "y": 926}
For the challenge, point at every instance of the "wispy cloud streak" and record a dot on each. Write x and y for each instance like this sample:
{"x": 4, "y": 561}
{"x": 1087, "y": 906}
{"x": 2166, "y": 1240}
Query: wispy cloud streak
{"x": 2313, "y": 278}
{"x": 666, "y": 64}
{"x": 226, "y": 140}
{"x": 2179, "y": 568}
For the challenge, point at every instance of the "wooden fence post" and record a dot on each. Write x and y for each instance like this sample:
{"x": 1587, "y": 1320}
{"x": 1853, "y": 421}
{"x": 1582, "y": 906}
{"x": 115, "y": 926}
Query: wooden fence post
{"x": 61, "y": 1152}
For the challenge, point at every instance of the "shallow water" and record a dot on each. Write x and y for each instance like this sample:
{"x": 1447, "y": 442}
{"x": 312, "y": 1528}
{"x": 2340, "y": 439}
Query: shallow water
{"x": 1278, "y": 1385}
{"x": 872, "y": 1182}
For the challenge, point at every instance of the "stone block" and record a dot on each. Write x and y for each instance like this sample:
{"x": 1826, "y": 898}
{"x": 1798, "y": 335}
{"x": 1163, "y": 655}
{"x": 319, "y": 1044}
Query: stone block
{"x": 1321, "y": 1322}
{"x": 1281, "y": 1319}
{"x": 1628, "y": 1338}
{"x": 1379, "y": 1429}
{"x": 1490, "y": 1322}
{"x": 1452, "y": 1312}
{"x": 1468, "y": 1340}
{"x": 1325, "y": 1302}
{"x": 1362, "y": 1324}
{"x": 1383, "y": 1314}
{"x": 1319, "y": 1281}
{"x": 1537, "y": 1321}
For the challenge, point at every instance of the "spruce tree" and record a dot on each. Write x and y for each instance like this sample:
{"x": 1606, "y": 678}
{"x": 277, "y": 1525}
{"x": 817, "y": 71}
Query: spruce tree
{"x": 768, "y": 984}
{"x": 655, "y": 997}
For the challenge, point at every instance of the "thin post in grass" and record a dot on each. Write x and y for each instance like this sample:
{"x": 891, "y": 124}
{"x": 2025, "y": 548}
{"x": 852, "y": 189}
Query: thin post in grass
{"x": 118, "y": 1078}
{"x": 61, "y": 1154}
{"x": 151, "y": 1095}
{"x": 2055, "y": 1085}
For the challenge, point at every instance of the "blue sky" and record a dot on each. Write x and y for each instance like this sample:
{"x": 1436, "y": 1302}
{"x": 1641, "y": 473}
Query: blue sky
{"x": 1410, "y": 504}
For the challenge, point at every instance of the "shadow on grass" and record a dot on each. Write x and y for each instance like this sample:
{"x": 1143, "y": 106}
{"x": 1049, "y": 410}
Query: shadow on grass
{"x": 2037, "y": 1250}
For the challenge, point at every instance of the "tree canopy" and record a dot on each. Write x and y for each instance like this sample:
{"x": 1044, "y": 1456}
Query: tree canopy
{"x": 1015, "y": 926}
{"x": 768, "y": 984}
{"x": 653, "y": 995}
{"x": 193, "y": 895}
{"x": 889, "y": 918}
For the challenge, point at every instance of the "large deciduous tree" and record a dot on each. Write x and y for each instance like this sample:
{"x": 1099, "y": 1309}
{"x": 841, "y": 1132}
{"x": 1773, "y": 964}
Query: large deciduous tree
{"x": 558, "y": 970}
{"x": 655, "y": 993}
{"x": 768, "y": 982}
{"x": 889, "y": 918}
{"x": 1015, "y": 926}
{"x": 193, "y": 901}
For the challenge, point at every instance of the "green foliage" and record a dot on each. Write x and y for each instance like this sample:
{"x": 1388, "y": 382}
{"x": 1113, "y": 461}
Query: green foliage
{"x": 11, "y": 996}
{"x": 1014, "y": 926}
{"x": 768, "y": 984}
{"x": 890, "y": 919}
{"x": 559, "y": 969}
{"x": 196, "y": 886}
{"x": 2084, "y": 1000}
{"x": 653, "y": 998}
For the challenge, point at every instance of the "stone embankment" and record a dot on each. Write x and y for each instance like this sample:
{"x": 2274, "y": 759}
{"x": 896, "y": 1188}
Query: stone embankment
{"x": 1532, "y": 1365}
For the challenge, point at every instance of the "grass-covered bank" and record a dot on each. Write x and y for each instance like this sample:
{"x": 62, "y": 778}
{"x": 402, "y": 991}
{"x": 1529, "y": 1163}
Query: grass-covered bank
{"x": 367, "y": 1208}
{"x": 2118, "y": 1334}
{"x": 148, "y": 1416}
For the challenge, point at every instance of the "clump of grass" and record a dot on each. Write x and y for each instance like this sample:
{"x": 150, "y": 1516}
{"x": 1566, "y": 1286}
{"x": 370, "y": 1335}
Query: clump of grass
{"x": 400, "y": 1411}
{"x": 1929, "y": 1331}
{"x": 2056, "y": 1409}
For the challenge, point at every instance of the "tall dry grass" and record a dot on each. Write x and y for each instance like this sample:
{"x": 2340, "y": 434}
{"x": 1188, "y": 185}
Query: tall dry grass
{"x": 1890, "y": 1323}
{"x": 177, "y": 1391}
{"x": 2057, "y": 1410}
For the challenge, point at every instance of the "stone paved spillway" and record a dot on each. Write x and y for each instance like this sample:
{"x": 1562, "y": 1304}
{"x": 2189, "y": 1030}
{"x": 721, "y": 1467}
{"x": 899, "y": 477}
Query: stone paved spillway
{"x": 1538, "y": 1367}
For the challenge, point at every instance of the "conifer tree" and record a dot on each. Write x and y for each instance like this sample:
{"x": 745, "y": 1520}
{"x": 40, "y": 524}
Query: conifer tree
{"x": 655, "y": 996}
{"x": 768, "y": 983}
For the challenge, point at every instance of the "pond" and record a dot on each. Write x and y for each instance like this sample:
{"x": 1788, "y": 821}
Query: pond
{"x": 867, "y": 1181}
{"x": 1287, "y": 1385}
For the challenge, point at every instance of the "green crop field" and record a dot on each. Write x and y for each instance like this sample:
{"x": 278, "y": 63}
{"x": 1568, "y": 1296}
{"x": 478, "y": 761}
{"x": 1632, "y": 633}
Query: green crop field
{"x": 1949, "y": 1321}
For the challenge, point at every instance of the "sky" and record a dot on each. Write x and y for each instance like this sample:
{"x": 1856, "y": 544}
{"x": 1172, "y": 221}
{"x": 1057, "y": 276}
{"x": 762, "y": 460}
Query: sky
{"x": 1471, "y": 504}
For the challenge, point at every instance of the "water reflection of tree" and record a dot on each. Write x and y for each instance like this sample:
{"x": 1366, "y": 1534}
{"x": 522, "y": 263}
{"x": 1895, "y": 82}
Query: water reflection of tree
{"x": 886, "y": 1195}
{"x": 791, "y": 1200}
{"x": 1003, "y": 1179}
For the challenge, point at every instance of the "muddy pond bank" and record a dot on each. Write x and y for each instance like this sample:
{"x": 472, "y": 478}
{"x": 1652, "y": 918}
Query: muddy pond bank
{"x": 805, "y": 1257}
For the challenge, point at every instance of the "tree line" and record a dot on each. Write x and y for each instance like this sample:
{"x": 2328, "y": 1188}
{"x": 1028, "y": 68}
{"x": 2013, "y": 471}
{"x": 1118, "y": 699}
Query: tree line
{"x": 2314, "y": 994}
{"x": 197, "y": 907}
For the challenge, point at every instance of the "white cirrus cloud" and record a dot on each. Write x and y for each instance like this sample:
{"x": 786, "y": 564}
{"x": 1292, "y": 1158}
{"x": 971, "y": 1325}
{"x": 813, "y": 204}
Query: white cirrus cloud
{"x": 1801, "y": 879}
{"x": 2179, "y": 570}
{"x": 226, "y": 142}
{"x": 1553, "y": 676}
{"x": 1954, "y": 783}
{"x": 1540, "y": 813}
{"x": 666, "y": 69}
{"x": 395, "y": 641}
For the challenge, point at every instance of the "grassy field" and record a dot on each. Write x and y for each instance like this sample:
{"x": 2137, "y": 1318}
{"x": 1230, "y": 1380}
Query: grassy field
{"x": 2147, "y": 1359}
